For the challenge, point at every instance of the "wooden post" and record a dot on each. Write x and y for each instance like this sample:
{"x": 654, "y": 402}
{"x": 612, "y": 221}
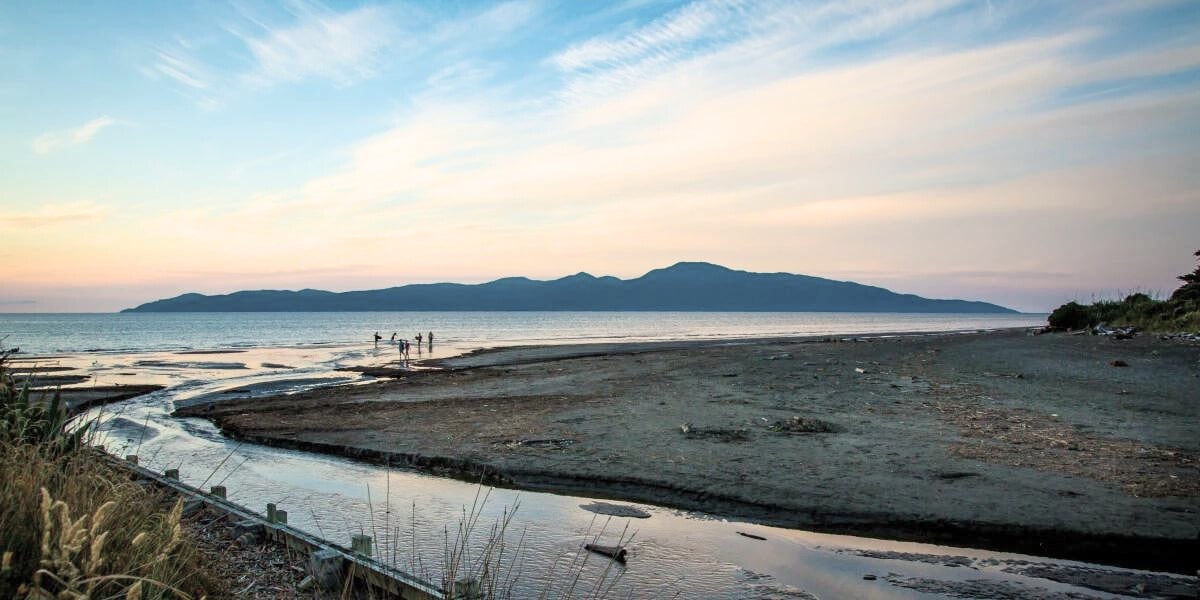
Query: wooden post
{"x": 218, "y": 491}
{"x": 171, "y": 474}
{"x": 270, "y": 512}
{"x": 326, "y": 566}
{"x": 132, "y": 458}
{"x": 281, "y": 516}
{"x": 361, "y": 544}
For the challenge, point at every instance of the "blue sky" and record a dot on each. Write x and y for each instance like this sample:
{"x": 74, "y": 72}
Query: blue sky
{"x": 1022, "y": 153}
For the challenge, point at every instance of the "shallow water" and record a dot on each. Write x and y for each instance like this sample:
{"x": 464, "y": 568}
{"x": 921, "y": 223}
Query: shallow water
{"x": 128, "y": 332}
{"x": 672, "y": 554}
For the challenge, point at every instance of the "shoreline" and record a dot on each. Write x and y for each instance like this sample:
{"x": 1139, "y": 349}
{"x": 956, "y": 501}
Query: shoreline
{"x": 529, "y": 353}
{"x": 1155, "y": 554}
{"x": 923, "y": 503}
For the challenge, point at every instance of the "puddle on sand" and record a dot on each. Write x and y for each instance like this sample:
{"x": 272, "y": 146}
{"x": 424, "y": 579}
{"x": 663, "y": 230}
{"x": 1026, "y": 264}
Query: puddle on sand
{"x": 672, "y": 553}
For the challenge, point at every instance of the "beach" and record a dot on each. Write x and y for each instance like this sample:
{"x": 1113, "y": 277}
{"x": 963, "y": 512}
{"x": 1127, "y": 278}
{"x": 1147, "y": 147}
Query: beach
{"x": 1000, "y": 440}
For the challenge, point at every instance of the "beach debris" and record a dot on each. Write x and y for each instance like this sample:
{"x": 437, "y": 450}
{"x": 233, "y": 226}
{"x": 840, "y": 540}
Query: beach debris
{"x": 541, "y": 443}
{"x": 955, "y": 475}
{"x": 783, "y": 356}
{"x": 254, "y": 529}
{"x": 1117, "y": 333}
{"x": 616, "y": 553}
{"x": 1116, "y": 362}
{"x": 306, "y": 584}
{"x": 721, "y": 434}
{"x": 1181, "y": 336}
{"x": 860, "y": 370}
{"x": 1010, "y": 375}
{"x": 869, "y": 577}
{"x": 615, "y": 510}
{"x": 798, "y": 424}
{"x": 751, "y": 535}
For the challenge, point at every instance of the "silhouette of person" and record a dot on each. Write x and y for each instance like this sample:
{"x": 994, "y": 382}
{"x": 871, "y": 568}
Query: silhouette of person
{"x": 431, "y": 340}
{"x": 377, "y": 338}
{"x": 393, "y": 337}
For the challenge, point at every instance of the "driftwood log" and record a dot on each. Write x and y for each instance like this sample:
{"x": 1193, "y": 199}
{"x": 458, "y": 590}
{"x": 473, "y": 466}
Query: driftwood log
{"x": 616, "y": 553}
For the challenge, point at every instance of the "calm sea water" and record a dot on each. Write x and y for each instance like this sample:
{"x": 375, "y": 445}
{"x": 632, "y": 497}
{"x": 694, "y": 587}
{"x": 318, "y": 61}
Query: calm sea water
{"x": 127, "y": 332}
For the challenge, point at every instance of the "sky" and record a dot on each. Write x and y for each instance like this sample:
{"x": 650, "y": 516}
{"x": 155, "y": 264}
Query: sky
{"x": 1023, "y": 153}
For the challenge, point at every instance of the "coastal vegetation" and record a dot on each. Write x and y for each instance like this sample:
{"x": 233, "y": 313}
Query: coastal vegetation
{"x": 1178, "y": 313}
{"x": 71, "y": 526}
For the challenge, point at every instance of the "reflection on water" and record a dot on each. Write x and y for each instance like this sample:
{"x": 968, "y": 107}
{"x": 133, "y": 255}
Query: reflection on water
{"x": 411, "y": 515}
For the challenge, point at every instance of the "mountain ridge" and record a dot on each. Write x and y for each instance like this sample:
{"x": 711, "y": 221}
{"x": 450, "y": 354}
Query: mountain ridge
{"x": 684, "y": 286}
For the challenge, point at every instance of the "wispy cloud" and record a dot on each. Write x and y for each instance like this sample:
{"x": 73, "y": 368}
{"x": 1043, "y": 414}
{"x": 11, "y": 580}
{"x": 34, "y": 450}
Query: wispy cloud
{"x": 305, "y": 41}
{"x": 669, "y": 34}
{"x": 53, "y": 214}
{"x": 483, "y": 27}
{"x": 180, "y": 69}
{"x": 340, "y": 47}
{"x": 51, "y": 141}
{"x": 785, "y": 34}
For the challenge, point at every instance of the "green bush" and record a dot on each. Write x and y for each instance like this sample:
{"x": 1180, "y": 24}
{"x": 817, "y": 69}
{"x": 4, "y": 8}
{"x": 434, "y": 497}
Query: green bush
{"x": 1071, "y": 315}
{"x": 1180, "y": 313}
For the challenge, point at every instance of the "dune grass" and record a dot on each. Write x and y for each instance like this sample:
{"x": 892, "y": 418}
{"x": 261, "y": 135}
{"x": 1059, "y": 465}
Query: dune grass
{"x": 72, "y": 526}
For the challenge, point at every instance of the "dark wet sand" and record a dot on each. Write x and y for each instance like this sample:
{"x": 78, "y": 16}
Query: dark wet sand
{"x": 1001, "y": 440}
{"x": 81, "y": 398}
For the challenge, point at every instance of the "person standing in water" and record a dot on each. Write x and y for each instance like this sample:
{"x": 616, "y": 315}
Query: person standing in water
{"x": 377, "y": 338}
{"x": 431, "y": 340}
{"x": 418, "y": 340}
{"x": 393, "y": 337}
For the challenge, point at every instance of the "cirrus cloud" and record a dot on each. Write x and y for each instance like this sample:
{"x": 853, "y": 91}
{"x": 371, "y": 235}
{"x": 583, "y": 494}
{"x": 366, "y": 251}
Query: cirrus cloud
{"x": 50, "y": 141}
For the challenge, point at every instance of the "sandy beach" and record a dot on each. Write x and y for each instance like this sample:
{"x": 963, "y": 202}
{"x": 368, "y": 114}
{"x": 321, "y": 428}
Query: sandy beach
{"x": 1002, "y": 440}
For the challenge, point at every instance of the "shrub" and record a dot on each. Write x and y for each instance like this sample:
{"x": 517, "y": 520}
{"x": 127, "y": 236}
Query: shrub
{"x": 1071, "y": 315}
{"x": 1189, "y": 292}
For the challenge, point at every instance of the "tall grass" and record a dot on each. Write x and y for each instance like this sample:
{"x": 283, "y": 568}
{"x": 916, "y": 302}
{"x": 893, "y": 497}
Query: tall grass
{"x": 479, "y": 562}
{"x": 486, "y": 558}
{"x": 74, "y": 527}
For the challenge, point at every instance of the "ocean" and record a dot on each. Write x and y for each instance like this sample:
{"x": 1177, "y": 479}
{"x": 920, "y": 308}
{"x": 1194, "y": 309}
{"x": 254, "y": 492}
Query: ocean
{"x": 39, "y": 333}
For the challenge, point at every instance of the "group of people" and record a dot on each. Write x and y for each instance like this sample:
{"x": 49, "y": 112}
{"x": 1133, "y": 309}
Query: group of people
{"x": 404, "y": 345}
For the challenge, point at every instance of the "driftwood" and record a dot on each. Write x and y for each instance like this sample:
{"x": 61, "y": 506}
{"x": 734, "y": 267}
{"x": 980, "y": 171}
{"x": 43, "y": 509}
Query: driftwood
{"x": 616, "y": 553}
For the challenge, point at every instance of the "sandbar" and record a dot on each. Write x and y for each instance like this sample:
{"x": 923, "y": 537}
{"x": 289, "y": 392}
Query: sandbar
{"x": 1000, "y": 440}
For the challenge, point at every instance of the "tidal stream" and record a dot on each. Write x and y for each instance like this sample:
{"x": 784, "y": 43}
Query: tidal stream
{"x": 414, "y": 517}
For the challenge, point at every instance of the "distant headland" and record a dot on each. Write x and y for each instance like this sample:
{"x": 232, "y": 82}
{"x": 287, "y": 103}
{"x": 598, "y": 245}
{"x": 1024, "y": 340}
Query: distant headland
{"x": 685, "y": 286}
